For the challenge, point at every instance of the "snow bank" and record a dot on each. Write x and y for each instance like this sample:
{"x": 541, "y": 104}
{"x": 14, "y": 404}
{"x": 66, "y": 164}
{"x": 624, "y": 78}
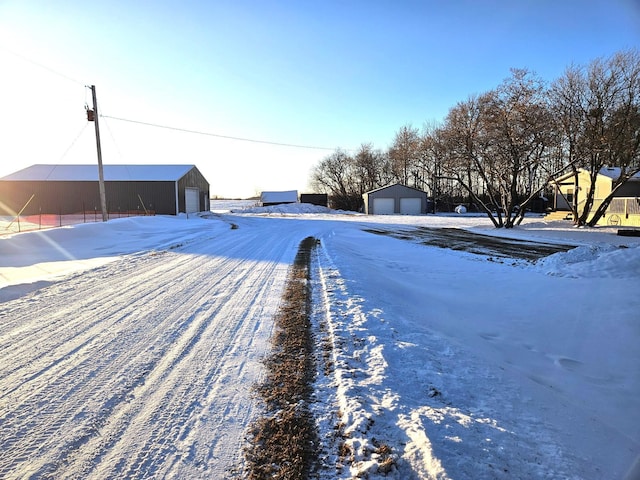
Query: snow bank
{"x": 48, "y": 254}
{"x": 285, "y": 209}
{"x": 602, "y": 260}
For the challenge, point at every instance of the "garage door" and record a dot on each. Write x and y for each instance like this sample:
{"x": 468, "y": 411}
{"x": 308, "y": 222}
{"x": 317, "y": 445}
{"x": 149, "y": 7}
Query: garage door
{"x": 383, "y": 206}
{"x": 192, "y": 197}
{"x": 410, "y": 206}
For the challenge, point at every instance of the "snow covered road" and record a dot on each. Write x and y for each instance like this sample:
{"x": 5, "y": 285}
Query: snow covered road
{"x": 141, "y": 364}
{"x": 141, "y": 368}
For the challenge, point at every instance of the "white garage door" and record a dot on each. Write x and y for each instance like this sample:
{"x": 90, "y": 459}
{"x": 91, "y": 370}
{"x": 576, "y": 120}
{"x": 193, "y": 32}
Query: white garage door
{"x": 410, "y": 206}
{"x": 383, "y": 206}
{"x": 192, "y": 198}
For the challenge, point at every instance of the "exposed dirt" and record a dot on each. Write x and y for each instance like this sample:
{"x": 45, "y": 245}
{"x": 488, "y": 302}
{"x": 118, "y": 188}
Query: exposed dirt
{"x": 463, "y": 240}
{"x": 283, "y": 441}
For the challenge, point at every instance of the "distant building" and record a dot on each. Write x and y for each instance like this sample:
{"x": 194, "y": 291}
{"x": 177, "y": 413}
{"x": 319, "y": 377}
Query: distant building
{"x": 65, "y": 189}
{"x": 624, "y": 209}
{"x": 396, "y": 199}
{"x": 277, "y": 198}
{"x": 320, "y": 199}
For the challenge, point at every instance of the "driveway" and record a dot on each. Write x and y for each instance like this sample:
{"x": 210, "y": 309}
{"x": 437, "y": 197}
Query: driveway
{"x": 463, "y": 240}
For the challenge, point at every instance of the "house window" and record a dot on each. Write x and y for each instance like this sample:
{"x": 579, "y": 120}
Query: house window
{"x": 570, "y": 196}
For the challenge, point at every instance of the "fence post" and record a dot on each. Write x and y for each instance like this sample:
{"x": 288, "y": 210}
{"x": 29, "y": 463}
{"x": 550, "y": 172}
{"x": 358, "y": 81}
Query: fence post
{"x": 20, "y": 213}
{"x": 143, "y": 205}
{"x": 626, "y": 208}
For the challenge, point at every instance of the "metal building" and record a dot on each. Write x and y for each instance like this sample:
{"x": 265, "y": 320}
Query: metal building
{"x": 320, "y": 199}
{"x": 65, "y": 189}
{"x": 395, "y": 199}
{"x": 268, "y": 199}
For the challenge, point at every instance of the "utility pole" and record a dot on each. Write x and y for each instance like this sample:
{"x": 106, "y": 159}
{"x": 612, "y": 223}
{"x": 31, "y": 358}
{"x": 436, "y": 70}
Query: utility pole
{"x": 92, "y": 116}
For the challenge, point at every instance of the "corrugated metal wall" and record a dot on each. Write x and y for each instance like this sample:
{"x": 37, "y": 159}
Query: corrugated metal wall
{"x": 321, "y": 199}
{"x": 75, "y": 197}
{"x": 154, "y": 196}
{"x": 65, "y": 197}
{"x": 193, "y": 179}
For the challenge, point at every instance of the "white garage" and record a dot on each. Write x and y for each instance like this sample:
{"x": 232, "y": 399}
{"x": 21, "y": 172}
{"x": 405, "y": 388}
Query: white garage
{"x": 384, "y": 206}
{"x": 396, "y": 199}
{"x": 410, "y": 206}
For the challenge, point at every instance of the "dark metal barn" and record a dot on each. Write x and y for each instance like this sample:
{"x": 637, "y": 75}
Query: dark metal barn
{"x": 320, "y": 199}
{"x": 65, "y": 189}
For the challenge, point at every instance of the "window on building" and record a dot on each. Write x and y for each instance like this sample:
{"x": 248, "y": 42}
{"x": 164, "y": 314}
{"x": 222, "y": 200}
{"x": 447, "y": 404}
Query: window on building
{"x": 570, "y": 196}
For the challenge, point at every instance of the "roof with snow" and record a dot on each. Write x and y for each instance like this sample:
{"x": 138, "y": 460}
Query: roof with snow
{"x": 614, "y": 173}
{"x": 287, "y": 196}
{"x": 149, "y": 173}
{"x": 394, "y": 185}
{"x": 610, "y": 172}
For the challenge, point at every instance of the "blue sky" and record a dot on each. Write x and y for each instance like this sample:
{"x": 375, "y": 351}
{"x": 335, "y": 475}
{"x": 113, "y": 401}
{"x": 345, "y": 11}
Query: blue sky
{"x": 323, "y": 74}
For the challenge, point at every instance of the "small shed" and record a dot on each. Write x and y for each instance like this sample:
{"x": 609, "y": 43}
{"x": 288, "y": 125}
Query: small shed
{"x": 320, "y": 199}
{"x": 395, "y": 199}
{"x": 67, "y": 189}
{"x": 277, "y": 198}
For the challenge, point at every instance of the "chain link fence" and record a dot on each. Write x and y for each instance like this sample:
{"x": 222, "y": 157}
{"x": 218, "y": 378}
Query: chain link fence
{"x": 26, "y": 223}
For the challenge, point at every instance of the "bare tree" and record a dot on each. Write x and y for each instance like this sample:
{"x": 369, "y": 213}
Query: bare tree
{"x": 466, "y": 151}
{"x": 332, "y": 176}
{"x": 404, "y": 155}
{"x": 496, "y": 143}
{"x": 371, "y": 166}
{"x": 619, "y": 127}
{"x": 598, "y": 109}
{"x": 430, "y": 154}
{"x": 566, "y": 101}
{"x": 519, "y": 130}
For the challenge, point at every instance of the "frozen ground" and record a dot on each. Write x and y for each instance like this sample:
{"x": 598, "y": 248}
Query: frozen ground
{"x": 128, "y": 349}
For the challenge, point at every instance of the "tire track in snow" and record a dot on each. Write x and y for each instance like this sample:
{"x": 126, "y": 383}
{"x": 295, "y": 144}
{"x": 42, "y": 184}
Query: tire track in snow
{"x": 141, "y": 381}
{"x": 71, "y": 379}
{"x": 173, "y": 405}
{"x": 64, "y": 326}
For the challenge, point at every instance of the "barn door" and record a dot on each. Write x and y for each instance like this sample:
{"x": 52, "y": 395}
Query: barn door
{"x": 192, "y": 200}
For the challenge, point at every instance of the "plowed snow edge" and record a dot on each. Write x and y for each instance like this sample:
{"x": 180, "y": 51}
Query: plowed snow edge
{"x": 283, "y": 442}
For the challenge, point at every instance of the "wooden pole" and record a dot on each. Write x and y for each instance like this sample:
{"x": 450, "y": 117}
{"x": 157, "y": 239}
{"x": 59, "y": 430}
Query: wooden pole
{"x": 146, "y": 212}
{"x": 17, "y": 218}
{"x": 103, "y": 197}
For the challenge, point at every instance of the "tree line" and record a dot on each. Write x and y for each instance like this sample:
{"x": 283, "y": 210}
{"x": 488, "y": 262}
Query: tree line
{"x": 499, "y": 151}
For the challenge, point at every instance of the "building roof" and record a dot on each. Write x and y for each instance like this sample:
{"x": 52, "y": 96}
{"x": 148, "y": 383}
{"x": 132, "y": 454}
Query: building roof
{"x": 609, "y": 172}
{"x": 614, "y": 173}
{"x": 393, "y": 185}
{"x": 287, "y": 196}
{"x": 78, "y": 173}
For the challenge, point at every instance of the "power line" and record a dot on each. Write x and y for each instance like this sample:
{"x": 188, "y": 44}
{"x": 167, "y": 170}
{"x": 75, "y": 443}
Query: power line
{"x": 33, "y": 62}
{"x": 73, "y": 142}
{"x": 209, "y": 134}
{"x": 113, "y": 139}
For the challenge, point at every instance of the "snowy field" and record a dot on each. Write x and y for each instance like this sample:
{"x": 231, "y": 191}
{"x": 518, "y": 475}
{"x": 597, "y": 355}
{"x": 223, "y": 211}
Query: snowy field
{"x": 128, "y": 349}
